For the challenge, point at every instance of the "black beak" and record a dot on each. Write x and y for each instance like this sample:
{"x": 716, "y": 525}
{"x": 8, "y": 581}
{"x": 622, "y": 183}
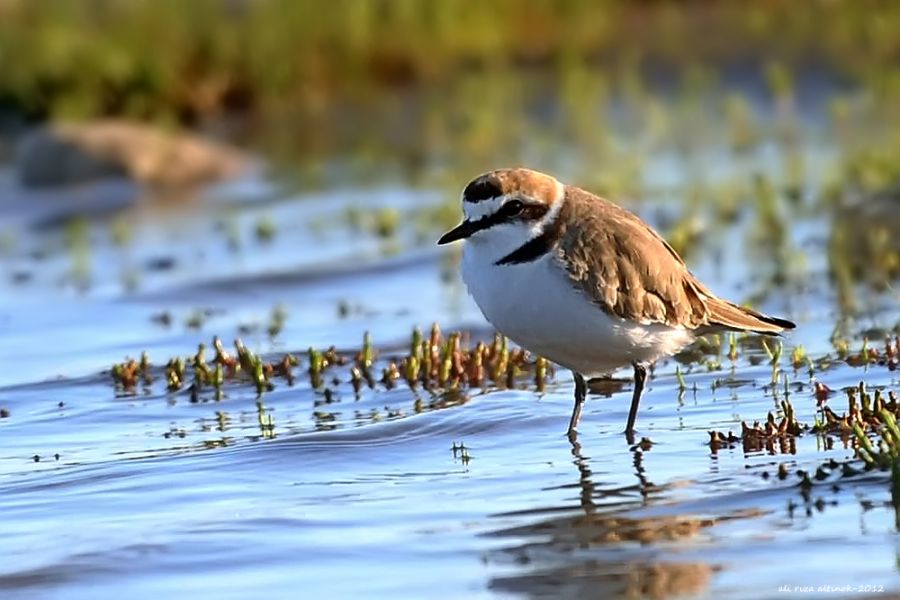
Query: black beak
{"x": 460, "y": 232}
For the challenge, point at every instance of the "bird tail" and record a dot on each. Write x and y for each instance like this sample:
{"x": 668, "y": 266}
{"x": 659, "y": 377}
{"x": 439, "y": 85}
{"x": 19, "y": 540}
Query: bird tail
{"x": 727, "y": 315}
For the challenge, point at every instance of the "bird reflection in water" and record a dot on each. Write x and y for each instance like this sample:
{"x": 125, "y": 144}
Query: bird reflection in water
{"x": 599, "y": 550}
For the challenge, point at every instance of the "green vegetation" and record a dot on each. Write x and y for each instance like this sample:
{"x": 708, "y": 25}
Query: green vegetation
{"x": 868, "y": 413}
{"x": 431, "y": 93}
{"x": 265, "y": 229}
{"x": 448, "y": 367}
{"x": 181, "y": 61}
{"x": 277, "y": 320}
{"x": 869, "y": 425}
{"x": 435, "y": 363}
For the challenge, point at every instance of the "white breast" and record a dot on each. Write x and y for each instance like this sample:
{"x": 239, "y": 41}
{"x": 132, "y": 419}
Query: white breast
{"x": 535, "y": 305}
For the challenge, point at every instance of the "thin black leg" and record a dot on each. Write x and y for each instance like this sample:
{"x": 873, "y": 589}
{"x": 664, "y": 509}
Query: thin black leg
{"x": 580, "y": 395}
{"x": 640, "y": 376}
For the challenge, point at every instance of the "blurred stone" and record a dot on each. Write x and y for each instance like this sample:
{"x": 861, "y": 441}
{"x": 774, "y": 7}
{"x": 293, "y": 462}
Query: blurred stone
{"x": 63, "y": 154}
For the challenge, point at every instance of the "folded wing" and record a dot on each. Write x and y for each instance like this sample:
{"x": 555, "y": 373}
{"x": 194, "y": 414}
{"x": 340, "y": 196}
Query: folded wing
{"x": 629, "y": 271}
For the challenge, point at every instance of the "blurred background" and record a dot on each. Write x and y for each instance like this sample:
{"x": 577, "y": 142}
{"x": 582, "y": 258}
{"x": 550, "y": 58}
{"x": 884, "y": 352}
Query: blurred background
{"x": 706, "y": 112}
{"x": 279, "y": 170}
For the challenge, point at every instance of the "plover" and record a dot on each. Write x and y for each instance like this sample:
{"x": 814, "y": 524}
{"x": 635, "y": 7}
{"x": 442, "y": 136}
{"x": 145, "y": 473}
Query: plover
{"x": 584, "y": 282}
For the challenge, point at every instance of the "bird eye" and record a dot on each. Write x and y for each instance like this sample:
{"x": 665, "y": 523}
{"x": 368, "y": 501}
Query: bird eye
{"x": 513, "y": 207}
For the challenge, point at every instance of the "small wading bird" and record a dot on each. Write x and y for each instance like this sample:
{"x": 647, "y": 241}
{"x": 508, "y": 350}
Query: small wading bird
{"x": 584, "y": 282}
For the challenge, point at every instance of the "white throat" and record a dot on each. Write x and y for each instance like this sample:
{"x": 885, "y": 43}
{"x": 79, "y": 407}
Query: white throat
{"x": 494, "y": 243}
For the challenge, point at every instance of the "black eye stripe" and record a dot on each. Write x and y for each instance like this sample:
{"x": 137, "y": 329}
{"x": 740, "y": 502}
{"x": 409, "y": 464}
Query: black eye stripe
{"x": 528, "y": 212}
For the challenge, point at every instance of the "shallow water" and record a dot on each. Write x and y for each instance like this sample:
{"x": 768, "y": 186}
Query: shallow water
{"x": 154, "y": 494}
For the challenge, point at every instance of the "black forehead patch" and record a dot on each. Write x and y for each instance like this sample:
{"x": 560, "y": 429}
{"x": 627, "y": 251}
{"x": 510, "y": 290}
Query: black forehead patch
{"x": 483, "y": 188}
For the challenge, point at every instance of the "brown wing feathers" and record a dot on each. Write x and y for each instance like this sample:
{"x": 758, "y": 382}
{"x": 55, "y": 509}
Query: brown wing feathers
{"x": 630, "y": 271}
{"x": 728, "y": 315}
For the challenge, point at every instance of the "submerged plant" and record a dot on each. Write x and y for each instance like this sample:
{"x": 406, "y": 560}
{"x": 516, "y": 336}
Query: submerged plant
{"x": 679, "y": 377}
{"x": 435, "y": 363}
{"x": 127, "y": 374}
{"x": 265, "y": 229}
{"x": 867, "y": 414}
{"x": 277, "y": 320}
